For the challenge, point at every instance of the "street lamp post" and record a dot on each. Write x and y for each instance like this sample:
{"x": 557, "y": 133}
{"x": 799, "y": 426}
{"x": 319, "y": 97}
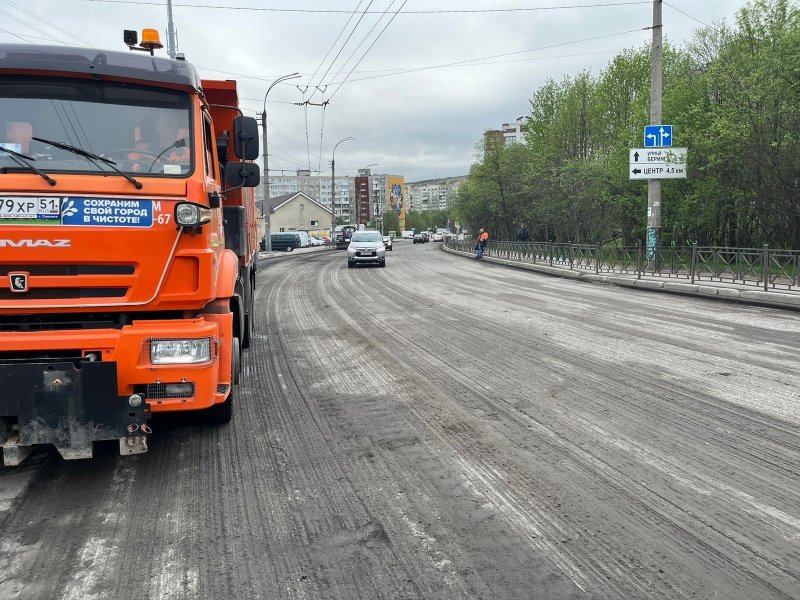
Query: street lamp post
{"x": 333, "y": 188}
{"x": 265, "y": 208}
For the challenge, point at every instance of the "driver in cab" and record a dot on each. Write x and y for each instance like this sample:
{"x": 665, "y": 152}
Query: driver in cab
{"x": 163, "y": 148}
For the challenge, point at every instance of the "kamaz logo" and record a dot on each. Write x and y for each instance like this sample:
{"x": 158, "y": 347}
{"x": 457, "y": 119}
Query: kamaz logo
{"x": 35, "y": 243}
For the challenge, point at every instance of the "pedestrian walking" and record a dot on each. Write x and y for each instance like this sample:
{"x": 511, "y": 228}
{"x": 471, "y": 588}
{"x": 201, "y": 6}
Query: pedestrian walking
{"x": 523, "y": 235}
{"x": 482, "y": 240}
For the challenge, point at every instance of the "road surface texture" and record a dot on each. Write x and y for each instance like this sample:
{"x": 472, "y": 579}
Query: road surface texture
{"x": 446, "y": 428}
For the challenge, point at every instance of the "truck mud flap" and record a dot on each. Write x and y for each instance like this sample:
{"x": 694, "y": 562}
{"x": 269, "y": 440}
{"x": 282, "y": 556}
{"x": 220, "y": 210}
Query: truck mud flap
{"x": 69, "y": 407}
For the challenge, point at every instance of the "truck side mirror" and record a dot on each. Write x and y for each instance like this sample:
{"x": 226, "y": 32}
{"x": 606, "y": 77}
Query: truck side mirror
{"x": 245, "y": 136}
{"x": 239, "y": 174}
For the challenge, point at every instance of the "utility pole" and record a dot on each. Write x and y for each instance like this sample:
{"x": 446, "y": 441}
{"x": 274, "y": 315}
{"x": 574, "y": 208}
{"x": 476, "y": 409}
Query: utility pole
{"x": 333, "y": 189}
{"x": 170, "y": 32}
{"x": 654, "y": 185}
{"x": 266, "y": 210}
{"x": 333, "y": 200}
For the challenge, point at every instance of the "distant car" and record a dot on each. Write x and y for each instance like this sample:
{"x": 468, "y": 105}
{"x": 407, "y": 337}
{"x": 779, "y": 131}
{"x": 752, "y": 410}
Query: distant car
{"x": 426, "y": 236}
{"x": 366, "y": 247}
{"x": 418, "y": 239}
{"x": 387, "y": 242}
{"x": 438, "y": 236}
{"x": 315, "y": 241}
{"x": 285, "y": 241}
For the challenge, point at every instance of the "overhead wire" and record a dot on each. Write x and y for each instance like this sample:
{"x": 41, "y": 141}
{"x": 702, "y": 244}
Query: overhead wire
{"x": 50, "y": 23}
{"x": 475, "y": 61}
{"x": 409, "y": 12}
{"x": 344, "y": 44}
{"x": 27, "y": 39}
{"x": 687, "y": 14}
{"x": 29, "y": 26}
{"x": 333, "y": 45}
{"x": 364, "y": 39}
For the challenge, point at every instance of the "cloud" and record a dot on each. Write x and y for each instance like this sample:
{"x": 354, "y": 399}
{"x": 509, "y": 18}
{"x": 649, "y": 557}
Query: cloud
{"x": 420, "y": 124}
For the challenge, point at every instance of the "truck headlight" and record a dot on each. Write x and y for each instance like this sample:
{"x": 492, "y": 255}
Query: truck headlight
{"x": 189, "y": 214}
{"x": 180, "y": 352}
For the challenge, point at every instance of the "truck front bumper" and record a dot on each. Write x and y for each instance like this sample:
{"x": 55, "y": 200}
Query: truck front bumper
{"x": 68, "y": 406}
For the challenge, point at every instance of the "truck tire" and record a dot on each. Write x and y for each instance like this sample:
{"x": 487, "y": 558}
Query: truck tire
{"x": 249, "y": 326}
{"x": 222, "y": 413}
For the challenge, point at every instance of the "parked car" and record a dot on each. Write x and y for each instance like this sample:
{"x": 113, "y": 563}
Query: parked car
{"x": 366, "y": 247}
{"x": 438, "y": 236}
{"x": 317, "y": 241}
{"x": 285, "y": 241}
{"x": 387, "y": 242}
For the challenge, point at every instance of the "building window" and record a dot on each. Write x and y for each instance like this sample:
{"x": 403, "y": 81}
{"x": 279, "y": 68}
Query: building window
{"x": 314, "y": 223}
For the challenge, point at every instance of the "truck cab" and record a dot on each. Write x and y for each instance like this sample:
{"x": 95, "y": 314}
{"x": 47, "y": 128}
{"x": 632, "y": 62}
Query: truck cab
{"x": 127, "y": 245}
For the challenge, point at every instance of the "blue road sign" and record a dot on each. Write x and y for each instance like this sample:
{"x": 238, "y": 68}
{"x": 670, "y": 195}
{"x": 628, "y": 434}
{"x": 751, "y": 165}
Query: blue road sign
{"x": 657, "y": 136}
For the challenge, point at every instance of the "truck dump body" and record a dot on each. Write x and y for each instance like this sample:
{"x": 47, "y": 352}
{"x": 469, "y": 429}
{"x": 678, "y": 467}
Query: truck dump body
{"x": 126, "y": 275}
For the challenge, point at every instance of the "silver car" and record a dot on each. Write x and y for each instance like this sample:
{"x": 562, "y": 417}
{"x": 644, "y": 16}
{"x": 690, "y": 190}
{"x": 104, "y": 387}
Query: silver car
{"x": 366, "y": 247}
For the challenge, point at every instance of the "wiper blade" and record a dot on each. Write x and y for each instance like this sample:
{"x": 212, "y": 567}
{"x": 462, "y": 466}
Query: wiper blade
{"x": 90, "y": 156}
{"x": 23, "y": 161}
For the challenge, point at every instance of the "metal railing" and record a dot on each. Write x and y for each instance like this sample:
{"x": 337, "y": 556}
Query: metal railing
{"x": 763, "y": 267}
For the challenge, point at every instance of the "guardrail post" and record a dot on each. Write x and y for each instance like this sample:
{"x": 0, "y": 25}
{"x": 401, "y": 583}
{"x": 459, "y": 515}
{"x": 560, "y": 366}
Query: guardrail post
{"x": 765, "y": 266}
{"x": 571, "y": 252}
{"x": 597, "y": 259}
{"x": 694, "y": 261}
{"x": 639, "y": 259}
{"x": 550, "y": 247}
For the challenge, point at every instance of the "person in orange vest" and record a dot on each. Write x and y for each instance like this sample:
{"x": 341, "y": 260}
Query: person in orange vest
{"x": 482, "y": 239}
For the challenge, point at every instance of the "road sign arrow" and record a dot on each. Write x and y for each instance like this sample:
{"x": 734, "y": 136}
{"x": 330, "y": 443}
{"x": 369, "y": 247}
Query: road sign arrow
{"x": 637, "y": 171}
{"x": 636, "y": 156}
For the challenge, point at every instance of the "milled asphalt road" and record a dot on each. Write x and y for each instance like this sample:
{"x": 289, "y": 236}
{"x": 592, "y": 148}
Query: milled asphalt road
{"x": 445, "y": 428}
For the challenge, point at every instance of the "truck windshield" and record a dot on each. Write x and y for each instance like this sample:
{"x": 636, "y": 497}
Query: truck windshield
{"x": 143, "y": 130}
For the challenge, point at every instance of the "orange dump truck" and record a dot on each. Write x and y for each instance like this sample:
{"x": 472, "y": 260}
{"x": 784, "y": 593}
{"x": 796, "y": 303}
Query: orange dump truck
{"x": 128, "y": 245}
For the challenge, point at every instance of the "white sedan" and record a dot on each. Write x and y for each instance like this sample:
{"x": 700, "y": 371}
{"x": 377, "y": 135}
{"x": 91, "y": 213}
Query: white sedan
{"x": 366, "y": 247}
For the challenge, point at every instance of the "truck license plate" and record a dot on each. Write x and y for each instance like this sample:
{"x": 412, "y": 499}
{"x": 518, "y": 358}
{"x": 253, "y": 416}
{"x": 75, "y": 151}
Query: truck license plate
{"x": 28, "y": 208}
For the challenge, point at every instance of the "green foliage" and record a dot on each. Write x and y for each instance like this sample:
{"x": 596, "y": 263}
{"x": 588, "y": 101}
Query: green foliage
{"x": 426, "y": 219}
{"x": 733, "y": 96}
{"x": 391, "y": 222}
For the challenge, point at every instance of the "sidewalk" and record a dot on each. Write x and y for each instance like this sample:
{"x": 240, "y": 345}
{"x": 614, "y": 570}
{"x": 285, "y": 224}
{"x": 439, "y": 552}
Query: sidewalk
{"x": 706, "y": 289}
{"x": 295, "y": 252}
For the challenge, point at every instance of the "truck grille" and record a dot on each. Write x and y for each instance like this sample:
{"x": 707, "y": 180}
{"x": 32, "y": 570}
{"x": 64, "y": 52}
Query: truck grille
{"x": 56, "y": 293}
{"x": 68, "y": 270}
{"x": 68, "y": 281}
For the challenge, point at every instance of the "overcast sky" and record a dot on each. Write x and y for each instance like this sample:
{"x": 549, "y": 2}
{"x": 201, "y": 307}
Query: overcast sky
{"x": 421, "y": 124}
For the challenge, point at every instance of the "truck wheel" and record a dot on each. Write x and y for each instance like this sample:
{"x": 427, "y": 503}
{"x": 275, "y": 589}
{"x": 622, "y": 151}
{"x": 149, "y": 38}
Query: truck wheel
{"x": 220, "y": 413}
{"x": 249, "y": 327}
{"x": 236, "y": 361}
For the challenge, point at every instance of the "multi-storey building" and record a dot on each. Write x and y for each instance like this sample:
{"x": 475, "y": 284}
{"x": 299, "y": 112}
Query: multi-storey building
{"x": 509, "y": 133}
{"x": 433, "y": 194}
{"x": 383, "y": 192}
{"x": 317, "y": 187}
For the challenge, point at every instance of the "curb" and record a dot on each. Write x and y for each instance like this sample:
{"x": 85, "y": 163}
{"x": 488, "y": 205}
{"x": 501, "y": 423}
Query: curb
{"x": 755, "y": 297}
